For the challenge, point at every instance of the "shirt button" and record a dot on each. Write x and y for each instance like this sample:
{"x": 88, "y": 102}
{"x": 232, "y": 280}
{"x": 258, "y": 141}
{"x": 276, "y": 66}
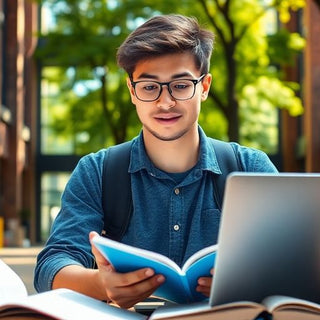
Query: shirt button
{"x": 176, "y": 191}
{"x": 176, "y": 227}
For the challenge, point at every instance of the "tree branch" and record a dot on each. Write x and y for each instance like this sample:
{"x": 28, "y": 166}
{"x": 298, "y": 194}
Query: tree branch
{"x": 212, "y": 21}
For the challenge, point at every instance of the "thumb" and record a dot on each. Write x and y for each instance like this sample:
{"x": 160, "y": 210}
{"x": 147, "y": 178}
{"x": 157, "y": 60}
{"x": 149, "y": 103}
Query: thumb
{"x": 100, "y": 259}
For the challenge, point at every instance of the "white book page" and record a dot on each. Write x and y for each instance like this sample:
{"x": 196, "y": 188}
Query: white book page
{"x": 69, "y": 305}
{"x": 199, "y": 254}
{"x": 11, "y": 285}
{"x": 274, "y": 302}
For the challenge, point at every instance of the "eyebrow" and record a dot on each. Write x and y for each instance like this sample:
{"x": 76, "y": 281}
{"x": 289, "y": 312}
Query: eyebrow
{"x": 175, "y": 76}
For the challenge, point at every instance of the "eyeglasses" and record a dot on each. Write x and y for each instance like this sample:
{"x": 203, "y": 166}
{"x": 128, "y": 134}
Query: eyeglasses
{"x": 182, "y": 89}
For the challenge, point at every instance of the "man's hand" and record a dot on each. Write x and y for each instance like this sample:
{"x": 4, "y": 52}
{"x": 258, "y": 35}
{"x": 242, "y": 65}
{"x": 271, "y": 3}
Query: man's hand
{"x": 204, "y": 285}
{"x": 125, "y": 289}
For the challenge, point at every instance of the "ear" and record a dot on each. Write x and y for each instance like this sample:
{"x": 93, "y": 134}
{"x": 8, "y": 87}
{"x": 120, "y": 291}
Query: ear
{"x": 206, "y": 83}
{"x": 131, "y": 90}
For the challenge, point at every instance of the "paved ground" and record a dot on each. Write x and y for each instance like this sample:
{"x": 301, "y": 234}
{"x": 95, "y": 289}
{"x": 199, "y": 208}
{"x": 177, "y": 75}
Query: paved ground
{"x": 22, "y": 261}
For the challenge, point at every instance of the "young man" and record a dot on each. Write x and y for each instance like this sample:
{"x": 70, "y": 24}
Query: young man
{"x": 171, "y": 167}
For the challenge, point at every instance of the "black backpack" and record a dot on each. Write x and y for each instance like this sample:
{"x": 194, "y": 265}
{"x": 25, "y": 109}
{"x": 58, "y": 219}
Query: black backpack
{"x": 116, "y": 184}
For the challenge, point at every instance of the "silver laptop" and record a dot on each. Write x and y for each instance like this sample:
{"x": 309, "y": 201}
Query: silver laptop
{"x": 269, "y": 242}
{"x": 269, "y": 239}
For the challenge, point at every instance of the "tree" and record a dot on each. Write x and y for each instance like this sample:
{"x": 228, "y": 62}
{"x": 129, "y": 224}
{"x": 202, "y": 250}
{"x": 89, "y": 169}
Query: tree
{"x": 82, "y": 45}
{"x": 246, "y": 65}
{"x": 248, "y": 61}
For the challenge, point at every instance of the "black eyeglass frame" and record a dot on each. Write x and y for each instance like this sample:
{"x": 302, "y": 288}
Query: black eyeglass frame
{"x": 194, "y": 81}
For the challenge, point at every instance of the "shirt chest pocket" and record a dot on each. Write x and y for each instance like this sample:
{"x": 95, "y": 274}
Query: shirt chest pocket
{"x": 209, "y": 225}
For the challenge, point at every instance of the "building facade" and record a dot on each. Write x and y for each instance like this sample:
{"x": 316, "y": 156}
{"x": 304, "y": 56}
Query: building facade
{"x": 18, "y": 118}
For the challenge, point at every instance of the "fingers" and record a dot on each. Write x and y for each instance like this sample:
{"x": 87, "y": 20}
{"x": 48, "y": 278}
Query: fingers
{"x": 120, "y": 280}
{"x": 125, "y": 289}
{"x": 204, "y": 285}
{"x": 126, "y": 293}
{"x": 100, "y": 259}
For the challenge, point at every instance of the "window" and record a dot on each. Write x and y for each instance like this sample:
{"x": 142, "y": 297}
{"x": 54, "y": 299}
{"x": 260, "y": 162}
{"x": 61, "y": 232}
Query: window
{"x": 52, "y": 186}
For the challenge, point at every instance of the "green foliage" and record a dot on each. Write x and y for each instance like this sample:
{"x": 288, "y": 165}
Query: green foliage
{"x": 259, "y": 115}
{"x": 94, "y": 110}
{"x": 284, "y": 7}
{"x": 293, "y": 43}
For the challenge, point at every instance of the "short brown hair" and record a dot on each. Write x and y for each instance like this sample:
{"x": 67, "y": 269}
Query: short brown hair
{"x": 166, "y": 34}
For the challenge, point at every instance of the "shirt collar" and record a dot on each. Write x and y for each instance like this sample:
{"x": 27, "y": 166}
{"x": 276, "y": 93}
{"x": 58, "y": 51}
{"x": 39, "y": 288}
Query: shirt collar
{"x": 207, "y": 158}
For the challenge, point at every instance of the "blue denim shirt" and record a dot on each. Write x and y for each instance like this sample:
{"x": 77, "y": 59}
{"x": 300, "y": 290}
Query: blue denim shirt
{"x": 174, "y": 218}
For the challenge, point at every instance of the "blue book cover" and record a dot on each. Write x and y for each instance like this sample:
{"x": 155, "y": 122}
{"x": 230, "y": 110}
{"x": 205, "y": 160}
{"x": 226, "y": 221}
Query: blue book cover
{"x": 180, "y": 285}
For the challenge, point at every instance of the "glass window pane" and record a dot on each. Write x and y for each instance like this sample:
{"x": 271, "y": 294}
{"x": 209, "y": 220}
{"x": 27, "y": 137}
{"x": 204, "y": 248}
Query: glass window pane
{"x": 52, "y": 186}
{"x": 52, "y": 106}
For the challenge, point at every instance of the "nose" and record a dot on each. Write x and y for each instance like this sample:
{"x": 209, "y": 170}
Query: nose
{"x": 165, "y": 100}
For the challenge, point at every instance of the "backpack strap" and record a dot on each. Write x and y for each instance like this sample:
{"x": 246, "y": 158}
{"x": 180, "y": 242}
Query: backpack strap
{"x": 228, "y": 161}
{"x": 116, "y": 191}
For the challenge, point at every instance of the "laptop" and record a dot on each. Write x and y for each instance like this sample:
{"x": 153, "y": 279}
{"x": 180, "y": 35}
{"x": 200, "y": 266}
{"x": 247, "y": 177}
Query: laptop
{"x": 269, "y": 239}
{"x": 269, "y": 242}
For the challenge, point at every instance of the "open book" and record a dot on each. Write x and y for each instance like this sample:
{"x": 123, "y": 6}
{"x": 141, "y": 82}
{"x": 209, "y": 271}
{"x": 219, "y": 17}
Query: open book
{"x": 180, "y": 285}
{"x": 280, "y": 307}
{"x": 62, "y": 304}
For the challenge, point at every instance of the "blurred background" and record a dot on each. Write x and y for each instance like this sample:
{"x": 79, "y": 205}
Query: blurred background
{"x": 63, "y": 96}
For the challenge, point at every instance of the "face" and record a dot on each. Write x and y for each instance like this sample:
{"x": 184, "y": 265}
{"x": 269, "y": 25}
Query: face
{"x": 166, "y": 118}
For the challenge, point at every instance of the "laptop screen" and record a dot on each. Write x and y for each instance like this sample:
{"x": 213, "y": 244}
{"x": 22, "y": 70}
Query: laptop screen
{"x": 269, "y": 238}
